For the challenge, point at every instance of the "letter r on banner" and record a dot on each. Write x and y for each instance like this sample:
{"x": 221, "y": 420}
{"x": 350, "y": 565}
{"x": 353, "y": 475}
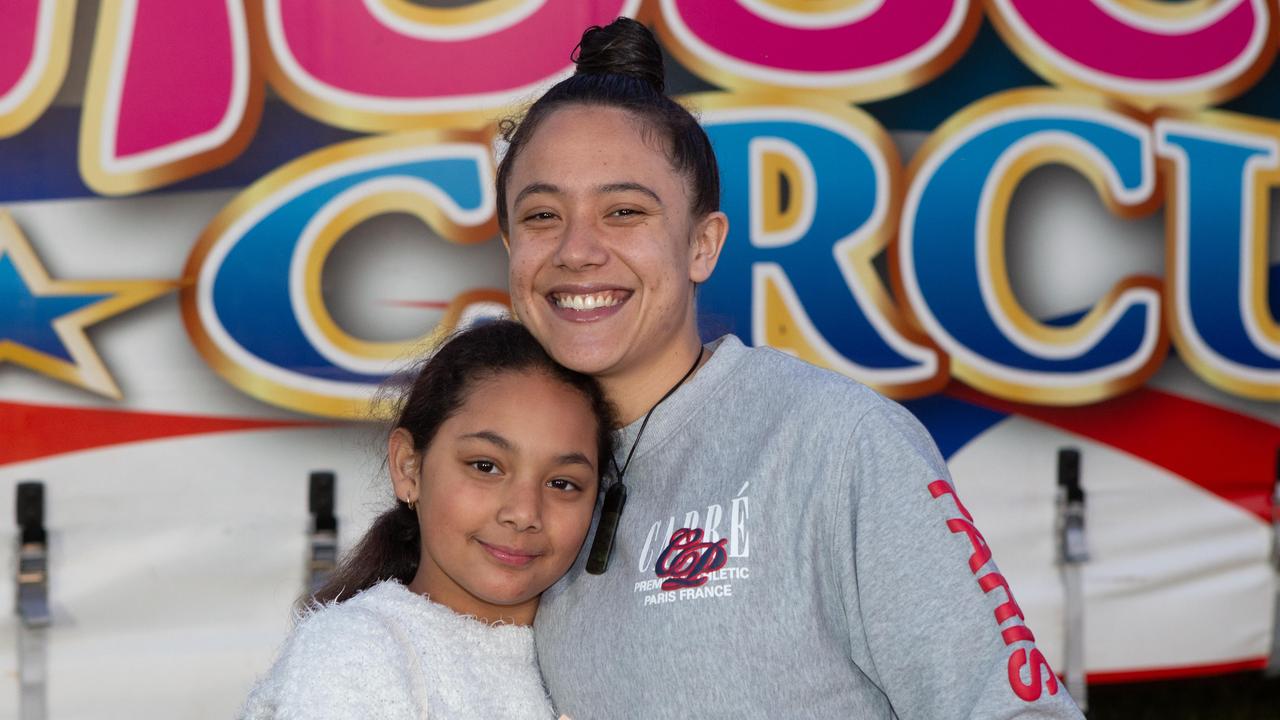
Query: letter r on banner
{"x": 809, "y": 191}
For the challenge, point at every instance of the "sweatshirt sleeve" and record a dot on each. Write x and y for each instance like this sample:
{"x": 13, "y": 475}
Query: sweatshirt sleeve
{"x": 934, "y": 624}
{"x": 340, "y": 662}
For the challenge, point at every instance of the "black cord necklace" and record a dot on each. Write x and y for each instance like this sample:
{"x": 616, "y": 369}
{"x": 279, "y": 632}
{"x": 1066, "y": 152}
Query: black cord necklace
{"x": 616, "y": 497}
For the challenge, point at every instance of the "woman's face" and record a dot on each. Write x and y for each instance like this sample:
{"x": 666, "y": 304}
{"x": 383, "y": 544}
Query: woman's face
{"x": 505, "y": 493}
{"x": 604, "y": 249}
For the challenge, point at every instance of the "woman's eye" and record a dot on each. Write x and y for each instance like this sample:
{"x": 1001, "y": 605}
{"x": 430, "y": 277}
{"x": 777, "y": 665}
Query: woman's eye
{"x": 542, "y": 216}
{"x": 487, "y": 467}
{"x": 626, "y": 212}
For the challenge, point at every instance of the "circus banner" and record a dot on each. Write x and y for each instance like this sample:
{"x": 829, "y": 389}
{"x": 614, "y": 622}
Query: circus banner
{"x": 225, "y": 223}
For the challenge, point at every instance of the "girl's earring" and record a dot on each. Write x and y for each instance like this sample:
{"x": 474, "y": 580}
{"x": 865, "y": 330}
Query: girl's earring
{"x": 413, "y": 505}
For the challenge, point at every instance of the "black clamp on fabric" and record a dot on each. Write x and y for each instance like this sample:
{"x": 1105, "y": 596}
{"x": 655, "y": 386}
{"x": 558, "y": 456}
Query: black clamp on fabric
{"x": 33, "y": 556}
{"x": 1072, "y": 554}
{"x": 323, "y": 542}
{"x": 1071, "y": 539}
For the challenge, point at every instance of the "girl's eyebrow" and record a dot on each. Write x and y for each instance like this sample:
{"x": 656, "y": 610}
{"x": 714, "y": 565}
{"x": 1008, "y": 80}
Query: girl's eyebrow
{"x": 574, "y": 458}
{"x": 571, "y": 458}
{"x": 488, "y": 436}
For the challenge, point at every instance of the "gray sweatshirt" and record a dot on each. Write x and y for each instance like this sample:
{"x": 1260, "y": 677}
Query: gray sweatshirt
{"x": 791, "y": 547}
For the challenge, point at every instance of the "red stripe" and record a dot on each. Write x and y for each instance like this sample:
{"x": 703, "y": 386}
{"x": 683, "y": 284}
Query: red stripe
{"x": 1171, "y": 673}
{"x": 1228, "y": 454}
{"x": 28, "y": 432}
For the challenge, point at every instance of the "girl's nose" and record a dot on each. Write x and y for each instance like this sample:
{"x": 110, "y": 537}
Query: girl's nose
{"x": 521, "y": 507}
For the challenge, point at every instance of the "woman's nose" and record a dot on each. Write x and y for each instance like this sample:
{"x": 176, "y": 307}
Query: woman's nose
{"x": 580, "y": 245}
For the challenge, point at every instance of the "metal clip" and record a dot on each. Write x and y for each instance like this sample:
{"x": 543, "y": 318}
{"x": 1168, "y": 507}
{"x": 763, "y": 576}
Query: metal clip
{"x": 323, "y": 557}
{"x": 1072, "y": 554}
{"x": 33, "y": 556}
{"x": 1070, "y": 516}
{"x": 33, "y": 585}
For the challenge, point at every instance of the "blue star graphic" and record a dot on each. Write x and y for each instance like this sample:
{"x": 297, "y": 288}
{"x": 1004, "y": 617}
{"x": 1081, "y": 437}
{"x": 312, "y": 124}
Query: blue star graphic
{"x": 27, "y": 319}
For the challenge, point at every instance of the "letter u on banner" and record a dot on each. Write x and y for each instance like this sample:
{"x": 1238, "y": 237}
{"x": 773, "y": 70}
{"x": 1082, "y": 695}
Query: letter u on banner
{"x": 171, "y": 93}
{"x": 850, "y": 50}
{"x": 1188, "y": 53}
{"x": 35, "y": 43}
{"x": 252, "y": 303}
{"x": 377, "y": 65}
{"x": 1224, "y": 168}
{"x": 950, "y": 255}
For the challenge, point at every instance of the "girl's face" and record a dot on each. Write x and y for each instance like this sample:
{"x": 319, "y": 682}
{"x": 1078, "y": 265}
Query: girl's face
{"x": 604, "y": 249}
{"x": 505, "y": 493}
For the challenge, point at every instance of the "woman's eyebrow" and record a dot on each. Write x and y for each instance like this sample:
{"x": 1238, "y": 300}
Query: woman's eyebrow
{"x": 628, "y": 187}
{"x": 538, "y": 187}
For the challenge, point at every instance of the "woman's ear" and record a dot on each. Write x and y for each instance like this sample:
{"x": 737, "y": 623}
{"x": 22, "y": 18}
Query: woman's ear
{"x": 403, "y": 460}
{"x": 708, "y": 240}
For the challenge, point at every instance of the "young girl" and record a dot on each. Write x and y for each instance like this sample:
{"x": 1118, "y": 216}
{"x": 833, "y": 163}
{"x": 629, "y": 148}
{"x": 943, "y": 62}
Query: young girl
{"x": 495, "y": 461}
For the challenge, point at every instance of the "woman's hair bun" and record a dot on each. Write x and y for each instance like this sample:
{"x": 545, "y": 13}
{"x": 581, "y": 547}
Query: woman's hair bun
{"x": 623, "y": 47}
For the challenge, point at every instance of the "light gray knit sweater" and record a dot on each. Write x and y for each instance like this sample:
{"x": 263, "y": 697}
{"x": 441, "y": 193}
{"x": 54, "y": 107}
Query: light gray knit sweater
{"x": 390, "y": 653}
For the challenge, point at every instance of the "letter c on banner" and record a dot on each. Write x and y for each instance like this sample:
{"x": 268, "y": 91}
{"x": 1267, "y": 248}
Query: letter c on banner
{"x": 1148, "y": 53}
{"x": 850, "y": 49}
{"x": 35, "y": 44}
{"x": 251, "y": 301}
{"x": 376, "y": 65}
{"x": 950, "y": 255}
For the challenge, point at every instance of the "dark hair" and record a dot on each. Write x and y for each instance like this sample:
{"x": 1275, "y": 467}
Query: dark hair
{"x": 392, "y": 547}
{"x": 620, "y": 65}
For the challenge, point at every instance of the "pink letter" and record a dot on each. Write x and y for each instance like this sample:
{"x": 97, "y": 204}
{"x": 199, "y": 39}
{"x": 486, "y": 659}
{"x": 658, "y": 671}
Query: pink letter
{"x": 1193, "y": 56}
{"x": 170, "y": 93}
{"x": 388, "y": 64}
{"x": 870, "y": 50}
{"x": 35, "y": 42}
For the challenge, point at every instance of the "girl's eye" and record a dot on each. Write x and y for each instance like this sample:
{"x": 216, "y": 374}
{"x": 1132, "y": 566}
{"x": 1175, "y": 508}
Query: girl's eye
{"x": 487, "y": 467}
{"x": 563, "y": 484}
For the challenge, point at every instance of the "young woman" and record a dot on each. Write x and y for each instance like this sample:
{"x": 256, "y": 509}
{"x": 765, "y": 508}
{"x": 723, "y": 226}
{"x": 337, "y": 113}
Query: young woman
{"x": 790, "y": 543}
{"x": 495, "y": 461}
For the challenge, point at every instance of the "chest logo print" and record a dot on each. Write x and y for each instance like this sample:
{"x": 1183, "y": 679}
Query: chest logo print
{"x": 686, "y": 561}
